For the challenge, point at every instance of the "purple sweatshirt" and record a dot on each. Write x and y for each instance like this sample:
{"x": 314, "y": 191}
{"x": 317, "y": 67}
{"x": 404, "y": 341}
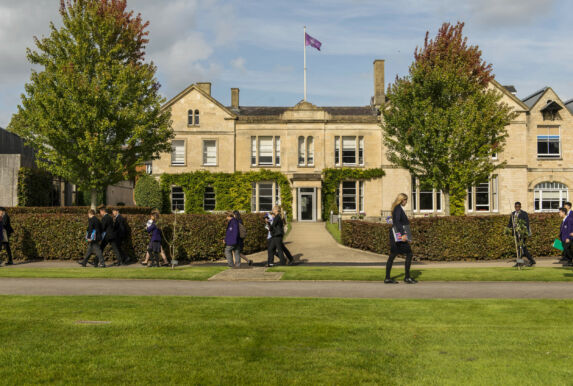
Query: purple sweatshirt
{"x": 232, "y": 235}
{"x": 155, "y": 232}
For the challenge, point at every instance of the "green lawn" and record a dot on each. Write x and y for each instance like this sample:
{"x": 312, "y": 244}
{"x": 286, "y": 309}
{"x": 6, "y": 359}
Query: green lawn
{"x": 334, "y": 231}
{"x": 189, "y": 340}
{"x": 428, "y": 274}
{"x": 166, "y": 273}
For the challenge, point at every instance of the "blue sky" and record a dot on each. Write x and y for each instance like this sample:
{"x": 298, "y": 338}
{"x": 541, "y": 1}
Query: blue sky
{"x": 258, "y": 45}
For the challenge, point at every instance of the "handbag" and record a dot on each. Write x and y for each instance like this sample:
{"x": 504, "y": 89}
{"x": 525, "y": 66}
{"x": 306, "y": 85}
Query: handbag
{"x": 557, "y": 244}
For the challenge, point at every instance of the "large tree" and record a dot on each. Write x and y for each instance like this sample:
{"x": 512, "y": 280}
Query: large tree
{"x": 444, "y": 121}
{"x": 92, "y": 109}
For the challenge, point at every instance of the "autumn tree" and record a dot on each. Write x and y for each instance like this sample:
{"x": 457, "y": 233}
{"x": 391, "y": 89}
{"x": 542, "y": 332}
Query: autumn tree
{"x": 443, "y": 121}
{"x": 92, "y": 110}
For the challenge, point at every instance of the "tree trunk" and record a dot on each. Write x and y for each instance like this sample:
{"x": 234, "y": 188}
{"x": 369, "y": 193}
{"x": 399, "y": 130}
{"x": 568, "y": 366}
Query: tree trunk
{"x": 446, "y": 203}
{"x": 93, "y": 199}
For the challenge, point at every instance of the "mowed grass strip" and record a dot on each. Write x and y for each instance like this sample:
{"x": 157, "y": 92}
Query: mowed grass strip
{"x": 334, "y": 231}
{"x": 187, "y": 340}
{"x": 163, "y": 273}
{"x": 429, "y": 274}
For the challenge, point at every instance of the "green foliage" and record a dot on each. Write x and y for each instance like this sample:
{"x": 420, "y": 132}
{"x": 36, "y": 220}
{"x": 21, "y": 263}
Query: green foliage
{"x": 74, "y": 210}
{"x": 443, "y": 123}
{"x": 457, "y": 238}
{"x": 92, "y": 110}
{"x": 233, "y": 191}
{"x": 34, "y": 187}
{"x": 332, "y": 179}
{"x": 56, "y": 236}
{"x": 148, "y": 192}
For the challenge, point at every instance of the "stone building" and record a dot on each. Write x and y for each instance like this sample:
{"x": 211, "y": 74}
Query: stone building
{"x": 302, "y": 140}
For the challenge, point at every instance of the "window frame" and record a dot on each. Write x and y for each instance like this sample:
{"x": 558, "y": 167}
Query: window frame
{"x": 255, "y": 195}
{"x": 184, "y": 153}
{"x": 492, "y": 193}
{"x": 182, "y": 198}
{"x": 275, "y": 151}
{"x": 437, "y": 197}
{"x": 216, "y": 143}
{"x": 538, "y": 191}
{"x": 205, "y": 198}
{"x": 550, "y": 139}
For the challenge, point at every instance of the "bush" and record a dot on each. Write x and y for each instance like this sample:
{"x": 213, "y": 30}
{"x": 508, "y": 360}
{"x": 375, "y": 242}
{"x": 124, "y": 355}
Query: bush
{"x": 148, "y": 192}
{"x": 457, "y": 238}
{"x": 74, "y": 210}
{"x": 60, "y": 236}
{"x": 34, "y": 187}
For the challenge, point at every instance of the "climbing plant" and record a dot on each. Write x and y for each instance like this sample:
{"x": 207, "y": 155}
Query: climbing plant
{"x": 332, "y": 179}
{"x": 233, "y": 191}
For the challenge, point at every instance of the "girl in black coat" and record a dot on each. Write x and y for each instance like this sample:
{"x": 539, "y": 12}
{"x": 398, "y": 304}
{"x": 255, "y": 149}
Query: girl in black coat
{"x": 400, "y": 239}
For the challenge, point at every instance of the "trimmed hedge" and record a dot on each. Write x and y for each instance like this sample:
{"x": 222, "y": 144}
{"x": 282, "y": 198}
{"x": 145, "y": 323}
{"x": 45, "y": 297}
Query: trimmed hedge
{"x": 56, "y": 236}
{"x": 148, "y": 192}
{"x": 74, "y": 210}
{"x": 457, "y": 238}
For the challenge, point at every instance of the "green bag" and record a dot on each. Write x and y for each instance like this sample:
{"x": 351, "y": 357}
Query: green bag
{"x": 557, "y": 244}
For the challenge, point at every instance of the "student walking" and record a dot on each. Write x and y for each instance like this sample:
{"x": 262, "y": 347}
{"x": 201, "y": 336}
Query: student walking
{"x": 120, "y": 232}
{"x": 93, "y": 236}
{"x": 108, "y": 233}
{"x": 564, "y": 259}
{"x": 154, "y": 247}
{"x": 242, "y": 236}
{"x": 400, "y": 238}
{"x": 276, "y": 230}
{"x": 232, "y": 242}
{"x": 155, "y": 215}
{"x": 285, "y": 250}
{"x": 566, "y": 236}
{"x": 6, "y": 232}
{"x": 521, "y": 215}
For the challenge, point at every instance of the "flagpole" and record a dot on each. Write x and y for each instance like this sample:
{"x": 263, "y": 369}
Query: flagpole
{"x": 304, "y": 64}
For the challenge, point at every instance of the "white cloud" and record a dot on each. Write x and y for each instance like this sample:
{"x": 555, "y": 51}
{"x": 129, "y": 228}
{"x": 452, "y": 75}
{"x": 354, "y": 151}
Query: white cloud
{"x": 239, "y": 64}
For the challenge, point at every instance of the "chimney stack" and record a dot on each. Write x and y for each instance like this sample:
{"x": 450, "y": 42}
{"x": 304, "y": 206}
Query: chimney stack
{"x": 205, "y": 87}
{"x": 235, "y": 98}
{"x": 379, "y": 95}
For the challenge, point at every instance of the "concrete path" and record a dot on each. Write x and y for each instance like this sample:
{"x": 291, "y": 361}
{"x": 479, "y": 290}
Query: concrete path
{"x": 315, "y": 289}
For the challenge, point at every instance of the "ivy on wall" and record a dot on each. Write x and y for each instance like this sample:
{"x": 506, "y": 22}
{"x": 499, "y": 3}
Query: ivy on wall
{"x": 233, "y": 191}
{"x": 332, "y": 179}
{"x": 34, "y": 187}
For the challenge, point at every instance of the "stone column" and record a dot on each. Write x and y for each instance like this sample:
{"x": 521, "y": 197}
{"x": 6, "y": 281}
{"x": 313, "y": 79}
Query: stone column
{"x": 319, "y": 204}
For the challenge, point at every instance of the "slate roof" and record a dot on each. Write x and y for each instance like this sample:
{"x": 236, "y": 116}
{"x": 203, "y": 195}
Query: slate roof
{"x": 569, "y": 105}
{"x": 533, "y": 98}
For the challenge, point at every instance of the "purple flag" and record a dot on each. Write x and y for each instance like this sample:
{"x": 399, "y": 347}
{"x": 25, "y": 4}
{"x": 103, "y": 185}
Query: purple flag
{"x": 310, "y": 41}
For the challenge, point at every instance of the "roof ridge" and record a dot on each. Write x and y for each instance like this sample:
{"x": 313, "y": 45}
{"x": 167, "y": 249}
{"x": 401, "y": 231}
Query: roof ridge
{"x": 542, "y": 90}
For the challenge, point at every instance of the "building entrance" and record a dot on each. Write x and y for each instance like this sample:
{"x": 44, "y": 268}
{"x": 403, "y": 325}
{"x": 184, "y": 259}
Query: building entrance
{"x": 307, "y": 204}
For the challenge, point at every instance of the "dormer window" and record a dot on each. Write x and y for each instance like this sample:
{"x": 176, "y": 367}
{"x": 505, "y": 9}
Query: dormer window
{"x": 550, "y": 111}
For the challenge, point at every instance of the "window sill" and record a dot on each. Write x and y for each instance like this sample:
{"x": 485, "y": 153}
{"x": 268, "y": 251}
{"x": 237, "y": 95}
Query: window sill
{"x": 306, "y": 166}
{"x": 549, "y": 158}
{"x": 190, "y": 126}
{"x": 265, "y": 166}
{"x": 210, "y": 165}
{"x": 178, "y": 165}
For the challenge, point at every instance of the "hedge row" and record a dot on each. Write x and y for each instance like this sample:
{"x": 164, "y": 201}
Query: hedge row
{"x": 57, "y": 236}
{"x": 73, "y": 210}
{"x": 457, "y": 238}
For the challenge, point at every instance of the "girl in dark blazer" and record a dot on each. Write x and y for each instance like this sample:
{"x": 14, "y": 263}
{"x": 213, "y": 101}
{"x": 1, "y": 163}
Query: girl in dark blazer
{"x": 400, "y": 229}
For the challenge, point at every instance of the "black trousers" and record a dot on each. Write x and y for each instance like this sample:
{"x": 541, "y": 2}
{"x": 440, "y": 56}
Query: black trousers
{"x": 275, "y": 245}
{"x": 399, "y": 248}
{"x": 6, "y": 246}
{"x": 525, "y": 252}
{"x": 286, "y": 252}
{"x": 116, "y": 246}
{"x": 94, "y": 249}
{"x": 568, "y": 252}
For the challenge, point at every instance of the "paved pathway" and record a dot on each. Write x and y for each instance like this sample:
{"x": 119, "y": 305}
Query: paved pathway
{"x": 315, "y": 289}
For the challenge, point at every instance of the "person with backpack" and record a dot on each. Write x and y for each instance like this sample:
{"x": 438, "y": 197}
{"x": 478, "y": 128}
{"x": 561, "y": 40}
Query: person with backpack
{"x": 5, "y": 234}
{"x": 93, "y": 237}
{"x": 232, "y": 245}
{"x": 242, "y": 236}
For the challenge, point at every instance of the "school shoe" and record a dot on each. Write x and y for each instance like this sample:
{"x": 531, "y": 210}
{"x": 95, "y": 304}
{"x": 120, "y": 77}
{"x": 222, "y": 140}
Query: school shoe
{"x": 10, "y": 263}
{"x": 269, "y": 265}
{"x": 409, "y": 280}
{"x": 82, "y": 264}
{"x": 530, "y": 264}
{"x": 390, "y": 281}
{"x": 250, "y": 262}
{"x": 568, "y": 264}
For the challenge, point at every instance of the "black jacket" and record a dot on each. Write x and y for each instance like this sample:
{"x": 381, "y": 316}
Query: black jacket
{"x": 119, "y": 227}
{"x": 399, "y": 218}
{"x": 521, "y": 216}
{"x": 94, "y": 224}
{"x": 6, "y": 224}
{"x": 277, "y": 227}
{"x": 107, "y": 227}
